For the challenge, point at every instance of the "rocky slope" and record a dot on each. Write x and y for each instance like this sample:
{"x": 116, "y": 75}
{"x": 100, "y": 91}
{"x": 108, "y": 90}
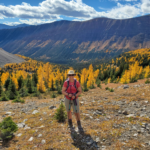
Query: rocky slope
{"x": 62, "y": 41}
{"x": 111, "y": 121}
{"x": 6, "y": 58}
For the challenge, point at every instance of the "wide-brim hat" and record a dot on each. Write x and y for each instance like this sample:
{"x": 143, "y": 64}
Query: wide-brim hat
{"x": 71, "y": 72}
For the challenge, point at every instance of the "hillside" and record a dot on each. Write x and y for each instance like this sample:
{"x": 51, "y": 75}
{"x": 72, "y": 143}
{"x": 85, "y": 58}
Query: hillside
{"x": 64, "y": 41}
{"x": 6, "y": 58}
{"x": 111, "y": 121}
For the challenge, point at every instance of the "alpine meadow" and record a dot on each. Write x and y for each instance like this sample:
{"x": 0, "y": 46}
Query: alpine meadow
{"x": 75, "y": 75}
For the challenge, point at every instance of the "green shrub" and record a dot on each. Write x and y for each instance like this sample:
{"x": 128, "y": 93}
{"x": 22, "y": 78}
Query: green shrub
{"x": 111, "y": 90}
{"x": 53, "y": 95}
{"x": 23, "y": 92}
{"x": 107, "y": 88}
{"x": 92, "y": 86}
{"x": 147, "y": 81}
{"x": 61, "y": 114}
{"x": 4, "y": 97}
{"x": 59, "y": 90}
{"x": 18, "y": 100}
{"x": 99, "y": 84}
{"x": 7, "y": 128}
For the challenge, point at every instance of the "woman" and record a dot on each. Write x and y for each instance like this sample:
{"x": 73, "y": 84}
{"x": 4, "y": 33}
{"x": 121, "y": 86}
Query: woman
{"x": 72, "y": 89}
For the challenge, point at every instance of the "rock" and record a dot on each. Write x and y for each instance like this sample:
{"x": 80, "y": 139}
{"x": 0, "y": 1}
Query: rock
{"x": 44, "y": 113}
{"x": 81, "y": 103}
{"x": 41, "y": 126}
{"x": 130, "y": 115}
{"x": 41, "y": 119}
{"x": 52, "y": 107}
{"x": 146, "y": 102}
{"x": 25, "y": 120}
{"x": 26, "y": 127}
{"x": 8, "y": 113}
{"x": 19, "y": 134}
{"x": 31, "y": 138}
{"x": 125, "y": 86}
{"x": 35, "y": 111}
{"x": 125, "y": 112}
{"x": 97, "y": 139}
{"x": 40, "y": 135}
{"x": 43, "y": 141}
{"x": 89, "y": 142}
{"x": 21, "y": 125}
{"x": 135, "y": 135}
{"x": 119, "y": 112}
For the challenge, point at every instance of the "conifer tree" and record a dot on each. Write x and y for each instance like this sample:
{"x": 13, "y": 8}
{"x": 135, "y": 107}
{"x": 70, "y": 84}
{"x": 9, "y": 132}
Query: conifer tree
{"x": 20, "y": 82}
{"x": 1, "y": 88}
{"x": 12, "y": 91}
{"x": 61, "y": 114}
{"x": 30, "y": 86}
{"x": 7, "y": 82}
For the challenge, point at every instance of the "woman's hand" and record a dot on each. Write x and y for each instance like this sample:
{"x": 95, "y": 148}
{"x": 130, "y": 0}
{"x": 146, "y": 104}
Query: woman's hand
{"x": 73, "y": 97}
{"x": 70, "y": 95}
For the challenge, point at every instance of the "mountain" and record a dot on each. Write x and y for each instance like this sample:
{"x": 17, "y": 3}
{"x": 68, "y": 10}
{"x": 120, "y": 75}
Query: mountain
{"x": 3, "y": 26}
{"x": 64, "y": 41}
{"x": 6, "y": 58}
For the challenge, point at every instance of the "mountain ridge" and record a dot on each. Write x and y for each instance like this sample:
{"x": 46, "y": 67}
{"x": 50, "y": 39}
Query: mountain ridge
{"x": 76, "y": 41}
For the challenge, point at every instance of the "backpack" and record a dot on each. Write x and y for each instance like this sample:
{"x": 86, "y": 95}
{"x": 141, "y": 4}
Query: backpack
{"x": 75, "y": 81}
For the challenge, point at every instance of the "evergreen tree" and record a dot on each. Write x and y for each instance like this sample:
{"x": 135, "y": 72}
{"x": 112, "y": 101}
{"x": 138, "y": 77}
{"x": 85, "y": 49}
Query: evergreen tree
{"x": 7, "y": 82}
{"x": 30, "y": 86}
{"x": 20, "y": 82}
{"x": 35, "y": 79}
{"x": 23, "y": 92}
{"x": 61, "y": 115}
{"x": 7, "y": 128}
{"x": 4, "y": 97}
{"x": 1, "y": 88}
{"x": 12, "y": 92}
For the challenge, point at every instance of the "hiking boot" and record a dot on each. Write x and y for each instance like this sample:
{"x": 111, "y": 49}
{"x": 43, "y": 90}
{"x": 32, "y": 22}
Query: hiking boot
{"x": 70, "y": 123}
{"x": 79, "y": 126}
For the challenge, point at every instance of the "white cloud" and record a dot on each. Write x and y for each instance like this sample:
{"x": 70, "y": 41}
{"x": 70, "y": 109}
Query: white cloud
{"x": 51, "y": 10}
{"x": 12, "y": 23}
{"x": 145, "y": 7}
{"x": 36, "y": 21}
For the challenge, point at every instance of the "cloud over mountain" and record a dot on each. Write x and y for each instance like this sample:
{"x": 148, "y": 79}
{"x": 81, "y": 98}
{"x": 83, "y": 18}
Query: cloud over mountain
{"x": 51, "y": 10}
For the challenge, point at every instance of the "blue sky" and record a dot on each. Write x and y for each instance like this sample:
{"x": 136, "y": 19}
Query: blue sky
{"x": 46, "y": 11}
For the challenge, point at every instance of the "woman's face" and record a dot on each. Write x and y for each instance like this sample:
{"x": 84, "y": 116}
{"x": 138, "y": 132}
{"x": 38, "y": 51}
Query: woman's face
{"x": 71, "y": 77}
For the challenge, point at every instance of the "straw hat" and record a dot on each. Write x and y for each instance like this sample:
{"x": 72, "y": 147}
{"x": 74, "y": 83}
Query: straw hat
{"x": 70, "y": 72}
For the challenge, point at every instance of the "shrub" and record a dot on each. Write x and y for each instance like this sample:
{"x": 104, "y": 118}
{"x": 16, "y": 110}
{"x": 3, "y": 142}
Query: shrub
{"x": 147, "y": 81}
{"x": 4, "y": 97}
{"x": 92, "y": 86}
{"x": 53, "y": 95}
{"x": 107, "y": 88}
{"x": 61, "y": 114}
{"x": 59, "y": 90}
{"x": 111, "y": 90}
{"x": 7, "y": 128}
{"x": 18, "y": 100}
{"x": 23, "y": 92}
{"x": 99, "y": 84}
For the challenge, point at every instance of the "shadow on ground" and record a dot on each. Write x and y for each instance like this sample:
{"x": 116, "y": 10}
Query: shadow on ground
{"x": 83, "y": 141}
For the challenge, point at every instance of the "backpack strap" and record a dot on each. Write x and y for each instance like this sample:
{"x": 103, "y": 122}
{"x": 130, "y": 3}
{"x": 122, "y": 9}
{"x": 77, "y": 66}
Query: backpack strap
{"x": 67, "y": 85}
{"x": 75, "y": 81}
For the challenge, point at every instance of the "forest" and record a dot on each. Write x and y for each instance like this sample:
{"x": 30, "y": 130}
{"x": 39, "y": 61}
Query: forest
{"x": 35, "y": 77}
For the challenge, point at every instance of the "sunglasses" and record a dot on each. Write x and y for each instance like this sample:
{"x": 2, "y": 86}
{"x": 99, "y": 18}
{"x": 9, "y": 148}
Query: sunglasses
{"x": 71, "y": 75}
